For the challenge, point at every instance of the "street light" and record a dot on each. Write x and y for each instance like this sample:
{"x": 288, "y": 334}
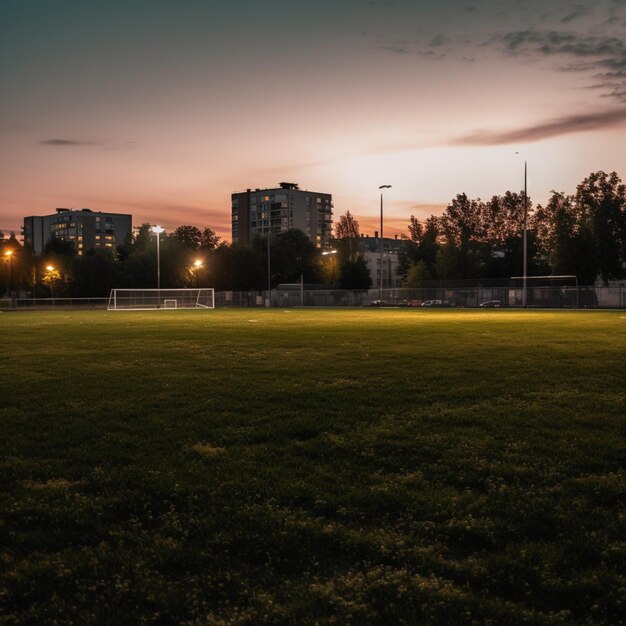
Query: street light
{"x": 380, "y": 300}
{"x": 268, "y": 302}
{"x": 525, "y": 279}
{"x": 197, "y": 264}
{"x": 525, "y": 261}
{"x": 157, "y": 230}
{"x": 51, "y": 270}
{"x": 331, "y": 253}
{"x": 9, "y": 255}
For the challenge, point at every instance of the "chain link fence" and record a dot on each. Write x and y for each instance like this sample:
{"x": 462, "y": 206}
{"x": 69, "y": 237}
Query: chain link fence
{"x": 431, "y": 297}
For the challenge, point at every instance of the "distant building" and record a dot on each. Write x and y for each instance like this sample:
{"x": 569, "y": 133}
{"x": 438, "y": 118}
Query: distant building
{"x": 84, "y": 228}
{"x": 385, "y": 257}
{"x": 259, "y": 211}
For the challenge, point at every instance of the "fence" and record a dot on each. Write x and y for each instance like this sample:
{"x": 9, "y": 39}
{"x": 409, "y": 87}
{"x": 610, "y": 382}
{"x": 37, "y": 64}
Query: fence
{"x": 465, "y": 297}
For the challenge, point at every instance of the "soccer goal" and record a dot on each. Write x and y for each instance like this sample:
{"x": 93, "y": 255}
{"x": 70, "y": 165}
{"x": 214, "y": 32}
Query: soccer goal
{"x": 152, "y": 299}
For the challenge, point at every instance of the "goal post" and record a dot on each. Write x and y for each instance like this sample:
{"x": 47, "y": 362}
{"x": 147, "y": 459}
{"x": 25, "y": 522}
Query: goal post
{"x": 553, "y": 291}
{"x": 153, "y": 299}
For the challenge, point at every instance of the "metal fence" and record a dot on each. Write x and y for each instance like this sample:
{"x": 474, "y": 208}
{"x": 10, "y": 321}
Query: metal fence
{"x": 452, "y": 297}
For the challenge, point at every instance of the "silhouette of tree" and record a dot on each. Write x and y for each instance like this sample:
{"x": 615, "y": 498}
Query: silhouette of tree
{"x": 355, "y": 275}
{"x": 347, "y": 239}
{"x": 209, "y": 239}
{"x": 601, "y": 198}
{"x": 188, "y": 236}
{"x": 565, "y": 237}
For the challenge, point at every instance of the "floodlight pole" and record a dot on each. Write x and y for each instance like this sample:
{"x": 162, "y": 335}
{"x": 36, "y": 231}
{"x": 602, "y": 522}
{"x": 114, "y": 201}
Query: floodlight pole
{"x": 9, "y": 255}
{"x": 157, "y": 230}
{"x": 380, "y": 293}
{"x": 268, "y": 303}
{"x": 525, "y": 273}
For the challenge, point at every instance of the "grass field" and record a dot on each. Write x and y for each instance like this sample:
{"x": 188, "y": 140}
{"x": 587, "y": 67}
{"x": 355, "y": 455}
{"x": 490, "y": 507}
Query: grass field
{"x": 293, "y": 467}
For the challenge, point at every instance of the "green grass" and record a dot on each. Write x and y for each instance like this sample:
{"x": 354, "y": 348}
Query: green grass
{"x": 294, "y": 467}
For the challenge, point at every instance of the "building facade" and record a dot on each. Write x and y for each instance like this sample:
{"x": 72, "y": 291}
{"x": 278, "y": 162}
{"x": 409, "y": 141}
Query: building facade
{"x": 382, "y": 260}
{"x": 83, "y": 228}
{"x": 263, "y": 211}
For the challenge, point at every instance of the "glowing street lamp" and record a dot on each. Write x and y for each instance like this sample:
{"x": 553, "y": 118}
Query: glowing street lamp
{"x": 197, "y": 265}
{"x": 51, "y": 271}
{"x": 381, "y": 242}
{"x": 157, "y": 230}
{"x": 9, "y": 255}
{"x": 331, "y": 253}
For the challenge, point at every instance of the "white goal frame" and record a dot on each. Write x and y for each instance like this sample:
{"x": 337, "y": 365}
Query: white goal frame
{"x": 157, "y": 299}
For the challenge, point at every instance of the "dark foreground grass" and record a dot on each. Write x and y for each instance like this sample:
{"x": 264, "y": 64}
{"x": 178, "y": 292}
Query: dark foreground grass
{"x": 294, "y": 467}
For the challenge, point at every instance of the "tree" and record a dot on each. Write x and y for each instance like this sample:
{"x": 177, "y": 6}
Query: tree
{"x": 188, "y": 236}
{"x": 294, "y": 255}
{"x": 417, "y": 274}
{"x": 144, "y": 237}
{"x": 463, "y": 230}
{"x": 355, "y": 275}
{"x": 601, "y": 199}
{"x": 347, "y": 238}
{"x": 94, "y": 274}
{"x": 503, "y": 228}
{"x": 565, "y": 237}
{"x": 209, "y": 239}
{"x": 59, "y": 248}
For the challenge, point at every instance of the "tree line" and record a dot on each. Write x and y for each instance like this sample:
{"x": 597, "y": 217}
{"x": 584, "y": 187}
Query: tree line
{"x": 582, "y": 234}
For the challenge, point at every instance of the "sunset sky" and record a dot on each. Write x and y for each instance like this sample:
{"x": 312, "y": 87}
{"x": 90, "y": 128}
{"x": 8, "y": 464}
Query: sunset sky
{"x": 163, "y": 108}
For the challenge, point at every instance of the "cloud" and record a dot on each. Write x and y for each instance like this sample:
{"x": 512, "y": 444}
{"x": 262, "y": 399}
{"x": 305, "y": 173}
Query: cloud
{"x": 602, "y": 57}
{"x": 76, "y": 142}
{"x": 66, "y": 142}
{"x": 552, "y": 128}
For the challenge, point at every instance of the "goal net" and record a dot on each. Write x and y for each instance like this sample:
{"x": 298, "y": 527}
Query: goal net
{"x": 151, "y": 299}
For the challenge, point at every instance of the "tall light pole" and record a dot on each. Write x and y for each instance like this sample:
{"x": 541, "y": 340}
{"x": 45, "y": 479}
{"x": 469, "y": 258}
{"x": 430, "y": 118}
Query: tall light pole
{"x": 331, "y": 253}
{"x": 51, "y": 270}
{"x": 9, "y": 255}
{"x": 380, "y": 295}
{"x": 197, "y": 264}
{"x": 525, "y": 275}
{"x": 268, "y": 302}
{"x": 157, "y": 230}
{"x": 525, "y": 244}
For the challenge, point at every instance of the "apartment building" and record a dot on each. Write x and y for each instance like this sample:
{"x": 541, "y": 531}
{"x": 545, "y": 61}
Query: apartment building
{"x": 276, "y": 210}
{"x": 83, "y": 228}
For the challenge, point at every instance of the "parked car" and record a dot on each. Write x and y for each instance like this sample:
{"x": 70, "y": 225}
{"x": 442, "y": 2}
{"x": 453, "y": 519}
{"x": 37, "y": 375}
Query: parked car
{"x": 490, "y": 304}
{"x": 438, "y": 303}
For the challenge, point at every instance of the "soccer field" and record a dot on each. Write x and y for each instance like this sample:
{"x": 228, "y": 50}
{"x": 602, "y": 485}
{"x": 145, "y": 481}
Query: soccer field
{"x": 302, "y": 466}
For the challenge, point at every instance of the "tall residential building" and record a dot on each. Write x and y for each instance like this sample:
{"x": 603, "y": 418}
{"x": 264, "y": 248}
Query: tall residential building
{"x": 259, "y": 211}
{"x": 84, "y": 228}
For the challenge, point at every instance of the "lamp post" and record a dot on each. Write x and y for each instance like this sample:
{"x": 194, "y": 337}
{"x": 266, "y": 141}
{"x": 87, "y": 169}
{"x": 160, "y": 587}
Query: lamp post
{"x": 9, "y": 255}
{"x": 51, "y": 269}
{"x": 268, "y": 302}
{"x": 197, "y": 265}
{"x": 525, "y": 274}
{"x": 525, "y": 239}
{"x": 331, "y": 253}
{"x": 157, "y": 230}
{"x": 380, "y": 296}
